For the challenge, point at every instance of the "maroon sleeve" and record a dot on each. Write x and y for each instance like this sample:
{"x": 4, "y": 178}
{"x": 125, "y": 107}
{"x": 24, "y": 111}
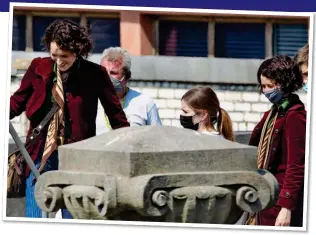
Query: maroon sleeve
{"x": 111, "y": 102}
{"x": 19, "y": 99}
{"x": 295, "y": 133}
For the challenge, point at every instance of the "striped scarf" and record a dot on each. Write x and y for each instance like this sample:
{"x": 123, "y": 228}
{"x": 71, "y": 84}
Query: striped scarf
{"x": 263, "y": 158}
{"x": 265, "y": 139}
{"x": 56, "y": 127}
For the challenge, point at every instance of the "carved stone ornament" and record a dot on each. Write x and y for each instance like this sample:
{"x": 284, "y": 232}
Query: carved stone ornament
{"x": 150, "y": 173}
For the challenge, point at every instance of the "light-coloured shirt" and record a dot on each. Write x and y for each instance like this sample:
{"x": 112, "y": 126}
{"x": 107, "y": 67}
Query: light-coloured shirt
{"x": 139, "y": 109}
{"x": 215, "y": 133}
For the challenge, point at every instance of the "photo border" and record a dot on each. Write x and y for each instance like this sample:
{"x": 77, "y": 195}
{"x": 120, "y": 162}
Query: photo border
{"x": 166, "y": 10}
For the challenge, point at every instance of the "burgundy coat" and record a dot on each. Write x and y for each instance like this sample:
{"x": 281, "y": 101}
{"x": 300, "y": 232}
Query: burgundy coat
{"x": 287, "y": 161}
{"x": 88, "y": 83}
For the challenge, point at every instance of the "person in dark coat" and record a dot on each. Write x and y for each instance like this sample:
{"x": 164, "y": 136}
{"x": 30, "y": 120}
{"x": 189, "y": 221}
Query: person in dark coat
{"x": 280, "y": 137}
{"x": 67, "y": 79}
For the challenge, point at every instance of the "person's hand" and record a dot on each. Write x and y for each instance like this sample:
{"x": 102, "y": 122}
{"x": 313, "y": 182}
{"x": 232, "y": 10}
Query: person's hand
{"x": 284, "y": 217}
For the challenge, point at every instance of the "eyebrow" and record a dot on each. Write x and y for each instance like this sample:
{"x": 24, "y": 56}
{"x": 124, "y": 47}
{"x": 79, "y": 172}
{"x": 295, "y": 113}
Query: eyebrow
{"x": 63, "y": 54}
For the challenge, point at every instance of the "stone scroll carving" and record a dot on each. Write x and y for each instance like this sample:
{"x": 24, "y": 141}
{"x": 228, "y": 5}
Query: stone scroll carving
{"x": 199, "y": 204}
{"x": 185, "y": 177}
{"x": 166, "y": 196}
{"x": 85, "y": 202}
{"x": 95, "y": 193}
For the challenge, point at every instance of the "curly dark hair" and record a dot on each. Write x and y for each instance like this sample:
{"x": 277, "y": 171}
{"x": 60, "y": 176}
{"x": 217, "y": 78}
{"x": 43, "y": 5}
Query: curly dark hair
{"x": 284, "y": 71}
{"x": 69, "y": 36}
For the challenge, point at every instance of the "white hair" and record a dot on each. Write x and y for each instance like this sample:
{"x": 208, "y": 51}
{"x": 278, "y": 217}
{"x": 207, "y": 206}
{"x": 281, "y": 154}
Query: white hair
{"x": 116, "y": 53}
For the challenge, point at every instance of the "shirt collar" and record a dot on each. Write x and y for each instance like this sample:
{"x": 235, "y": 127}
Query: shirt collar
{"x": 75, "y": 65}
{"x": 283, "y": 104}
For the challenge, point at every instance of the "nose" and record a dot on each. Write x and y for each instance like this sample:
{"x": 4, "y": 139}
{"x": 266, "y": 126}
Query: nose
{"x": 59, "y": 61}
{"x": 266, "y": 89}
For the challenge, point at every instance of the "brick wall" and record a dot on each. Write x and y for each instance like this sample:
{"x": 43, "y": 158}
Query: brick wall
{"x": 244, "y": 108}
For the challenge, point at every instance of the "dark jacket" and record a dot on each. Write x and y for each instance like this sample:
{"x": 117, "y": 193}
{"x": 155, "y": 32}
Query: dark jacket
{"x": 286, "y": 160}
{"x": 87, "y": 83}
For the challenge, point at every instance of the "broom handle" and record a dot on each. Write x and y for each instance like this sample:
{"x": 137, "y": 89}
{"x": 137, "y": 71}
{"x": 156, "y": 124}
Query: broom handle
{"x": 23, "y": 150}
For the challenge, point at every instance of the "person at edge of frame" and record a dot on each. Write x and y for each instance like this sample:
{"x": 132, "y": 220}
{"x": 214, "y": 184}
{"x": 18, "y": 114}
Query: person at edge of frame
{"x": 301, "y": 59}
{"x": 280, "y": 137}
{"x": 75, "y": 84}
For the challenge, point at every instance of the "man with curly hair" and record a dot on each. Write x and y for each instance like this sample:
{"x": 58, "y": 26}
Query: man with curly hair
{"x": 280, "y": 138}
{"x": 301, "y": 59}
{"x": 74, "y": 85}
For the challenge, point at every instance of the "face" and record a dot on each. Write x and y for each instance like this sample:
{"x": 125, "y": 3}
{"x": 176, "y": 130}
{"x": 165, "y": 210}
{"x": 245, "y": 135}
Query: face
{"x": 188, "y": 111}
{"x": 63, "y": 59}
{"x": 114, "y": 68}
{"x": 268, "y": 84}
{"x": 304, "y": 71}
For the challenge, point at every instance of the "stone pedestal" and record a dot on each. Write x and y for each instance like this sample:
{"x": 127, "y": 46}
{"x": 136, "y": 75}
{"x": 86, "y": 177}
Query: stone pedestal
{"x": 150, "y": 173}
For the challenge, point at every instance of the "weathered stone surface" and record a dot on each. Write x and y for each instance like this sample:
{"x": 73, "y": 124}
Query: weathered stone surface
{"x": 93, "y": 202}
{"x": 157, "y": 174}
{"x": 172, "y": 68}
{"x": 15, "y": 207}
{"x": 150, "y": 150}
{"x": 199, "y": 204}
{"x": 243, "y": 137}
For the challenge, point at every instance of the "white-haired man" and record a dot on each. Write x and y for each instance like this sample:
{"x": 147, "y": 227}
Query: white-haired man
{"x": 139, "y": 108}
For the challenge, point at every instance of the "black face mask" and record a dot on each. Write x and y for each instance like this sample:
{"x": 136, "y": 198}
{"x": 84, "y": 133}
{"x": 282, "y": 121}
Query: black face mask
{"x": 187, "y": 122}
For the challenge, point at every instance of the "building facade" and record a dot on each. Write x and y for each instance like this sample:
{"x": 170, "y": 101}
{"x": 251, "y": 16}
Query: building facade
{"x": 171, "y": 34}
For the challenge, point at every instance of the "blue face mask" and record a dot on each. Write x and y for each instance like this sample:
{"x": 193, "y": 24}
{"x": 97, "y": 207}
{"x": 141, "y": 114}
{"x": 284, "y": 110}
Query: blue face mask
{"x": 305, "y": 87}
{"x": 274, "y": 95}
{"x": 117, "y": 84}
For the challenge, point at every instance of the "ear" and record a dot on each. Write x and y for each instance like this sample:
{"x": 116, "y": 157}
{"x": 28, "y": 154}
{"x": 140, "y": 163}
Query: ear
{"x": 203, "y": 115}
{"x": 128, "y": 74}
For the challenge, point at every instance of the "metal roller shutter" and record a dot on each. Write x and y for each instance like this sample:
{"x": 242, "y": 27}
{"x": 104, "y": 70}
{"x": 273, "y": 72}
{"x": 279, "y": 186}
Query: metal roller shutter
{"x": 179, "y": 38}
{"x": 40, "y": 23}
{"x": 105, "y": 33}
{"x": 18, "y": 33}
{"x": 240, "y": 40}
{"x": 288, "y": 38}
